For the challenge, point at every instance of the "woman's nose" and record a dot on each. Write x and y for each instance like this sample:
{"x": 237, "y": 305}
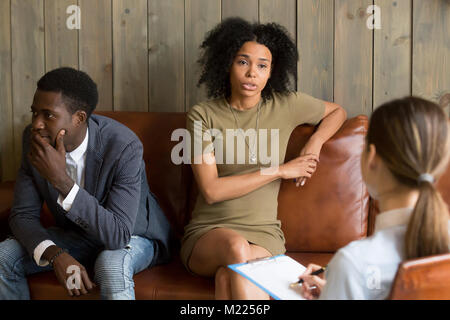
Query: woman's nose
{"x": 251, "y": 72}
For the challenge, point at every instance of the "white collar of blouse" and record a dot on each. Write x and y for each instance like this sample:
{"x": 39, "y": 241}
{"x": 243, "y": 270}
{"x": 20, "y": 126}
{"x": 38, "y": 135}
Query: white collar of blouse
{"x": 392, "y": 218}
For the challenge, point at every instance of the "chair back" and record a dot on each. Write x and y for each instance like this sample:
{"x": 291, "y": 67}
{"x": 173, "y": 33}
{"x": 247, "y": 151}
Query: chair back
{"x": 423, "y": 279}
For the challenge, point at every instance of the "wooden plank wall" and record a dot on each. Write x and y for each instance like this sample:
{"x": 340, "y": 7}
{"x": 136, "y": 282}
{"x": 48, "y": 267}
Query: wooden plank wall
{"x": 392, "y": 52}
{"x": 7, "y": 163}
{"x": 431, "y": 49}
{"x": 315, "y": 43}
{"x": 27, "y": 65}
{"x": 143, "y": 53}
{"x": 95, "y": 54}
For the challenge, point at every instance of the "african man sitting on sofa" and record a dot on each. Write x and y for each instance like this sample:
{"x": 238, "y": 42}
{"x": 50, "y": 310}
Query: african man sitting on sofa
{"x": 90, "y": 172}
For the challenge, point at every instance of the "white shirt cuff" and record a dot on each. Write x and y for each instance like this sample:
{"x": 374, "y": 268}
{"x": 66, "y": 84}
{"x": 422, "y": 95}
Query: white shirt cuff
{"x": 66, "y": 203}
{"x": 39, "y": 251}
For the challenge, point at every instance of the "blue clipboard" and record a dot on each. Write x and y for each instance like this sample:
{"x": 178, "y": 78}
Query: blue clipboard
{"x": 273, "y": 275}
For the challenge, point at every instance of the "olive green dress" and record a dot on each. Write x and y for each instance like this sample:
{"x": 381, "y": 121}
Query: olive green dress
{"x": 254, "y": 215}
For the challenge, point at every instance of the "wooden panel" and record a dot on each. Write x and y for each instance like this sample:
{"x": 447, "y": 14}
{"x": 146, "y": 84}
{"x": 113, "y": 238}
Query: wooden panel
{"x": 284, "y": 13}
{"x": 201, "y": 16}
{"x": 315, "y": 37}
{"x": 7, "y": 167}
{"x": 156, "y": 48}
{"x": 27, "y": 21}
{"x": 95, "y": 41}
{"x": 247, "y": 9}
{"x": 392, "y": 52}
{"x": 130, "y": 55}
{"x": 353, "y": 57}
{"x": 61, "y": 43}
{"x": 431, "y": 49}
{"x": 166, "y": 55}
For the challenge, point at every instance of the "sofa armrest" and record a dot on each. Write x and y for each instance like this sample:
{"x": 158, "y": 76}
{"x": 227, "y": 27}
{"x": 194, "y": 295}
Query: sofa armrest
{"x": 6, "y": 200}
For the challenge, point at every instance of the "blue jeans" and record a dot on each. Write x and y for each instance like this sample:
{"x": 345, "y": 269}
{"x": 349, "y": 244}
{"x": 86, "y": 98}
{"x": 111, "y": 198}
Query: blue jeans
{"x": 114, "y": 269}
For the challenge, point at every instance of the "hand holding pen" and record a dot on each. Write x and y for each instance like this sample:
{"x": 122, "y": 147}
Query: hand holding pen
{"x": 312, "y": 284}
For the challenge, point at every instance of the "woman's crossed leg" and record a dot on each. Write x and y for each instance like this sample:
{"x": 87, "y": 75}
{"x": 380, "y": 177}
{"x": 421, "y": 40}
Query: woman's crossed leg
{"x": 218, "y": 248}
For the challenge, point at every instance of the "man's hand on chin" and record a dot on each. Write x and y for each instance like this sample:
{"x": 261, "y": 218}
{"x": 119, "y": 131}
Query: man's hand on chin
{"x": 50, "y": 162}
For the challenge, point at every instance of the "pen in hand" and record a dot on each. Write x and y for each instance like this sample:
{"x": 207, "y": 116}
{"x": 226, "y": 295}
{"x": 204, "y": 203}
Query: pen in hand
{"x": 314, "y": 273}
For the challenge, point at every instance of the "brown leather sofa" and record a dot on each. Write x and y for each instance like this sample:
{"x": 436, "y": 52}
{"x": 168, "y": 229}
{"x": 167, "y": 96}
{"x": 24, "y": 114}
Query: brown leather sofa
{"x": 332, "y": 209}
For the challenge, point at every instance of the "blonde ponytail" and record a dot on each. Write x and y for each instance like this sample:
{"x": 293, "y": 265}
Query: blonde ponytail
{"x": 412, "y": 137}
{"x": 427, "y": 232}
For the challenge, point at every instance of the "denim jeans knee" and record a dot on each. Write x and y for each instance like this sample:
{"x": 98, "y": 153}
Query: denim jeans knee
{"x": 15, "y": 265}
{"x": 10, "y": 252}
{"x": 114, "y": 269}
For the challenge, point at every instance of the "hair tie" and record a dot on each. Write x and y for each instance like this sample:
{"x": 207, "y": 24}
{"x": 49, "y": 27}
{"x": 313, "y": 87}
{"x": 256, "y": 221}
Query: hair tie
{"x": 425, "y": 177}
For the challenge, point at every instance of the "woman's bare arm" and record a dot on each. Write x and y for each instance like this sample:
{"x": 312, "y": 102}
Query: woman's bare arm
{"x": 332, "y": 120}
{"x": 215, "y": 189}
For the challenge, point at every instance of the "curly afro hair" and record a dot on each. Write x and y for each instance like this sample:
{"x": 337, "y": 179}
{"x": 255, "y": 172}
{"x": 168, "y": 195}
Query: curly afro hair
{"x": 78, "y": 90}
{"x": 222, "y": 43}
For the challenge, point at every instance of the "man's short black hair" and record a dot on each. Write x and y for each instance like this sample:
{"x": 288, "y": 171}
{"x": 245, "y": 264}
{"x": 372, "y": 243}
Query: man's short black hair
{"x": 78, "y": 90}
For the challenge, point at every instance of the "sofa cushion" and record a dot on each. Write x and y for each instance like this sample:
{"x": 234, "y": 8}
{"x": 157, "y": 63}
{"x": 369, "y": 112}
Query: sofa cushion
{"x": 172, "y": 282}
{"x": 331, "y": 209}
{"x": 163, "y": 282}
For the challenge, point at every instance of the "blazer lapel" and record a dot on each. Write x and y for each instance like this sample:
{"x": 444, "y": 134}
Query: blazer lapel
{"x": 94, "y": 158}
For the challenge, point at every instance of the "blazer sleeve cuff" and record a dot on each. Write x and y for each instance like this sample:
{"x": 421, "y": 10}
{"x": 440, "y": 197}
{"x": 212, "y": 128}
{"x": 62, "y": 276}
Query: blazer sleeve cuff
{"x": 39, "y": 251}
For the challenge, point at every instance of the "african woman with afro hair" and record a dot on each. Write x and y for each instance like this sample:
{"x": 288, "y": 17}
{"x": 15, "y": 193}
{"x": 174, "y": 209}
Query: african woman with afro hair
{"x": 247, "y": 70}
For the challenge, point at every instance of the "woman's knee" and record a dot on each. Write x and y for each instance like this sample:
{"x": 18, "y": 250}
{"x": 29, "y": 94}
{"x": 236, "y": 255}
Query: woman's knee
{"x": 219, "y": 247}
{"x": 237, "y": 250}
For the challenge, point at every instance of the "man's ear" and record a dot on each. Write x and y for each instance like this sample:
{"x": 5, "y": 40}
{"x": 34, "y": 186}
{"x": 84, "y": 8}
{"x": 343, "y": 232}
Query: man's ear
{"x": 79, "y": 117}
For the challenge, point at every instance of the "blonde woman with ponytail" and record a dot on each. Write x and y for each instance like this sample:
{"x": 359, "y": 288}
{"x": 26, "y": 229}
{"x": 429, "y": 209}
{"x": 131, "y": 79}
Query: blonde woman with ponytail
{"x": 407, "y": 149}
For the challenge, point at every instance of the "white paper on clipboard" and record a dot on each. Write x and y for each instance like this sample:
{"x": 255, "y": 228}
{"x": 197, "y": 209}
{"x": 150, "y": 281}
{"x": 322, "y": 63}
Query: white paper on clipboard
{"x": 274, "y": 275}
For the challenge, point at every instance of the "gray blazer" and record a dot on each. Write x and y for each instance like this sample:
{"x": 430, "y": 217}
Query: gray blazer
{"x": 114, "y": 204}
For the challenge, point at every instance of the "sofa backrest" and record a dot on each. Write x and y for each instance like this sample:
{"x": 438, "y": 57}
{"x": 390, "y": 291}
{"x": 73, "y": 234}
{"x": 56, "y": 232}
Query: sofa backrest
{"x": 169, "y": 182}
{"x": 332, "y": 208}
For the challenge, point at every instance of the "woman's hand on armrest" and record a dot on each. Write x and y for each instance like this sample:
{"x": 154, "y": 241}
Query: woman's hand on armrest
{"x": 332, "y": 120}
